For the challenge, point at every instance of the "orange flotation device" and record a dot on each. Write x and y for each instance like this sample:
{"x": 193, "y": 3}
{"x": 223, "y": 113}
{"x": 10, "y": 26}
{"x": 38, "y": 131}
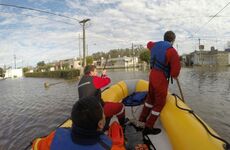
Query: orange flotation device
{"x": 117, "y": 136}
{"x": 43, "y": 143}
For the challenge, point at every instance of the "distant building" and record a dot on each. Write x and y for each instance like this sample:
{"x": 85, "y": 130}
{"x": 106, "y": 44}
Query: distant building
{"x": 13, "y": 73}
{"x": 65, "y": 64}
{"x": 119, "y": 62}
{"x": 213, "y": 57}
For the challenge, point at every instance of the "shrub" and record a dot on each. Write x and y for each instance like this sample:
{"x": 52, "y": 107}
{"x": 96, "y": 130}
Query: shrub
{"x": 66, "y": 74}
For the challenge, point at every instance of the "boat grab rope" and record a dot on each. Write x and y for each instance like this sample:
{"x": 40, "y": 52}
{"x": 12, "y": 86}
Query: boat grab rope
{"x": 148, "y": 142}
{"x": 226, "y": 145}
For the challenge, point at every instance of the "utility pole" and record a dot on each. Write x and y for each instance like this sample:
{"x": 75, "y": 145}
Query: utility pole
{"x": 83, "y": 28}
{"x": 133, "y": 55}
{"x": 15, "y": 65}
{"x": 201, "y": 62}
{"x": 87, "y": 50}
{"x": 79, "y": 46}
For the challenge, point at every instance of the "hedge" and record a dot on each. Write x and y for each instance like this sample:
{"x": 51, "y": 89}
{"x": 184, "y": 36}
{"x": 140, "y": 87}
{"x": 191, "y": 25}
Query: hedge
{"x": 66, "y": 74}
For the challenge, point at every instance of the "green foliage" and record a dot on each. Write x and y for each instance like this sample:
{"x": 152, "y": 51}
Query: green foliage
{"x": 145, "y": 56}
{"x": 41, "y": 63}
{"x": 47, "y": 67}
{"x": 25, "y": 69}
{"x": 1, "y": 72}
{"x": 114, "y": 53}
{"x": 65, "y": 66}
{"x": 98, "y": 55}
{"x": 66, "y": 74}
{"x": 89, "y": 60}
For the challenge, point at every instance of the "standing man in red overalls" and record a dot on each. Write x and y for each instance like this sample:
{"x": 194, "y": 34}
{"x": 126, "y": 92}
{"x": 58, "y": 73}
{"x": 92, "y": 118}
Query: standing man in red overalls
{"x": 90, "y": 85}
{"x": 165, "y": 63}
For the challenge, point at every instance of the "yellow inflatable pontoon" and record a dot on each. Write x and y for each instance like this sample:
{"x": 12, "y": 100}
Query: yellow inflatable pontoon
{"x": 181, "y": 128}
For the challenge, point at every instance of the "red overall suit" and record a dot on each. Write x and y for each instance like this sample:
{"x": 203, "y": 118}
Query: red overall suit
{"x": 158, "y": 86}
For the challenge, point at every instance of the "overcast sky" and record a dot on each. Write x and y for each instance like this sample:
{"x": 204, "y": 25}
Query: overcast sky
{"x": 33, "y": 36}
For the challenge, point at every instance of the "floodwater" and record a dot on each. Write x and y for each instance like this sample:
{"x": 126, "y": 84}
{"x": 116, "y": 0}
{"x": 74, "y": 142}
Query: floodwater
{"x": 29, "y": 110}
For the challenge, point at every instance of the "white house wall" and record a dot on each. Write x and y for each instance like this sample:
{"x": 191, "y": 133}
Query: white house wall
{"x": 11, "y": 73}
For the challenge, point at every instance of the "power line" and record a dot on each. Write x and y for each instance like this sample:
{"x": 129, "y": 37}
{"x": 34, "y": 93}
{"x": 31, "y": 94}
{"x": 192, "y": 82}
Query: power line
{"x": 38, "y": 10}
{"x": 41, "y": 18}
{"x": 211, "y": 18}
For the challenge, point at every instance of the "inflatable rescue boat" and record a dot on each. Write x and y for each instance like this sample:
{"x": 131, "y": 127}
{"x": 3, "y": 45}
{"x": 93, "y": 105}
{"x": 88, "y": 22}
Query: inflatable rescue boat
{"x": 181, "y": 128}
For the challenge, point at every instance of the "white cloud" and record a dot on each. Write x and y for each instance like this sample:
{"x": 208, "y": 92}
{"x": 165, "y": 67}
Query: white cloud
{"x": 114, "y": 24}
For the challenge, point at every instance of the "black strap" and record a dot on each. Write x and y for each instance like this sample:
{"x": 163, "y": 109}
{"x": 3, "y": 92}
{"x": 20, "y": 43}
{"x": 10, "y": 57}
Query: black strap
{"x": 226, "y": 144}
{"x": 104, "y": 145}
{"x": 171, "y": 79}
{"x": 148, "y": 142}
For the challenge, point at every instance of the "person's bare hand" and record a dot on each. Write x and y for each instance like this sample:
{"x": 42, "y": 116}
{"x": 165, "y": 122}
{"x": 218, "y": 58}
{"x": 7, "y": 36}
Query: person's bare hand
{"x": 104, "y": 72}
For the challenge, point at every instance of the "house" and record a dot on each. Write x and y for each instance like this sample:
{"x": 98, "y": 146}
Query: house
{"x": 65, "y": 64}
{"x": 213, "y": 57}
{"x": 14, "y": 73}
{"x": 119, "y": 62}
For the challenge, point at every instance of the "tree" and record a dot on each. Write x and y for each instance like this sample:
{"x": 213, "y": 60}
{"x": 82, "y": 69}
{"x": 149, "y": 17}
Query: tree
{"x": 98, "y": 55}
{"x": 47, "y": 67}
{"x": 25, "y": 69}
{"x": 1, "y": 72}
{"x": 89, "y": 60}
{"x": 65, "y": 66}
{"x": 145, "y": 56}
{"x": 41, "y": 64}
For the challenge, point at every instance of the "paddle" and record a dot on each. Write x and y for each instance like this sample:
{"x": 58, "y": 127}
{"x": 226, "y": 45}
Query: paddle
{"x": 47, "y": 85}
{"x": 178, "y": 84}
{"x": 105, "y": 64}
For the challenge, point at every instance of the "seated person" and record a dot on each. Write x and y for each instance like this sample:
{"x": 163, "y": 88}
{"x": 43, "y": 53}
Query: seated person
{"x": 86, "y": 133}
{"x": 90, "y": 85}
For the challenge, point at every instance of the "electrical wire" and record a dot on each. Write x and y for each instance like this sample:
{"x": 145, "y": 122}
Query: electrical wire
{"x": 211, "y": 19}
{"x": 40, "y": 17}
{"x": 38, "y": 10}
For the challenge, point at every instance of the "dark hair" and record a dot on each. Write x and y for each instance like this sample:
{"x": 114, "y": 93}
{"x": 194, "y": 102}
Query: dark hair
{"x": 89, "y": 68}
{"x": 86, "y": 113}
{"x": 169, "y": 36}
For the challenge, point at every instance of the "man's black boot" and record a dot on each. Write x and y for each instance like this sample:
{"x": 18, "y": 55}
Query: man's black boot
{"x": 153, "y": 131}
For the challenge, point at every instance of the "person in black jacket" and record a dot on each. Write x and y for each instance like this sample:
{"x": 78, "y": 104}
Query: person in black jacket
{"x": 90, "y": 85}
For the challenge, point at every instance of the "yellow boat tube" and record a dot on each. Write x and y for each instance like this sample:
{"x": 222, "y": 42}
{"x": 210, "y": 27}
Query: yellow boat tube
{"x": 183, "y": 129}
{"x": 185, "y": 132}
